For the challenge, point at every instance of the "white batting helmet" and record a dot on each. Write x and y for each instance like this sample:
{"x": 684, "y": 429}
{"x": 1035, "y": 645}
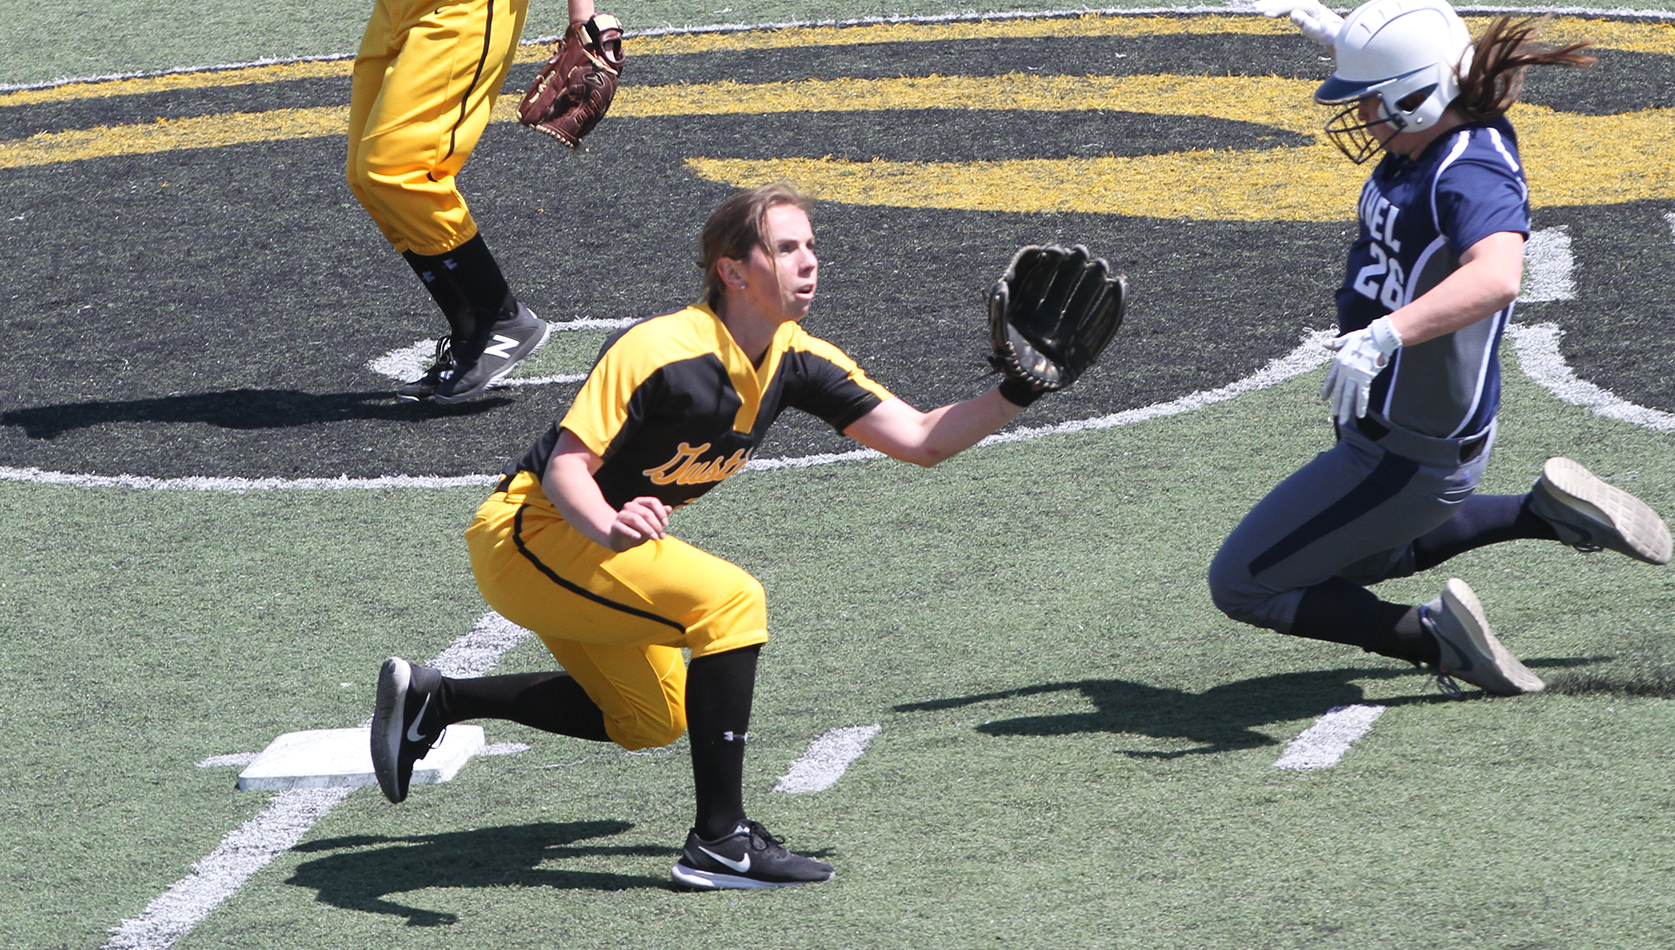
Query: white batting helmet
{"x": 1409, "y": 54}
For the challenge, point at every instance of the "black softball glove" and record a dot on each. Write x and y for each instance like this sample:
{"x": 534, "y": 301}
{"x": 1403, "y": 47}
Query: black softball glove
{"x": 1050, "y": 315}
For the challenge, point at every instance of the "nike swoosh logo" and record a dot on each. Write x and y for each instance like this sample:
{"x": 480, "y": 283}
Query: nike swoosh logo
{"x": 739, "y": 866}
{"x": 413, "y": 733}
{"x": 1465, "y": 658}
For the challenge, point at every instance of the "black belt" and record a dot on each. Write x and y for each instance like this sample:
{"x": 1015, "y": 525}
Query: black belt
{"x": 505, "y": 482}
{"x": 1469, "y": 449}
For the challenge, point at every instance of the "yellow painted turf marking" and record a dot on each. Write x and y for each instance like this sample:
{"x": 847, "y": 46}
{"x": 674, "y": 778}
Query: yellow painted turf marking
{"x": 1645, "y": 37}
{"x": 1573, "y": 159}
{"x": 168, "y": 135}
{"x": 243, "y": 76}
{"x": 1283, "y": 103}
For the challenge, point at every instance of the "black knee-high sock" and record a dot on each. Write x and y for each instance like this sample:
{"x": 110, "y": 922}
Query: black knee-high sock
{"x": 553, "y": 702}
{"x": 719, "y": 690}
{"x": 1342, "y": 612}
{"x": 1479, "y": 521}
{"x": 467, "y": 284}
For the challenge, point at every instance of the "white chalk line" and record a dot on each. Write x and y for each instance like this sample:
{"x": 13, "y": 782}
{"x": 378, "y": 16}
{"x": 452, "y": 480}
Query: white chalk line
{"x": 1548, "y": 277}
{"x": 1537, "y": 347}
{"x": 288, "y": 816}
{"x": 1539, "y": 356}
{"x": 826, "y": 759}
{"x": 1309, "y": 353}
{"x": 1324, "y": 743}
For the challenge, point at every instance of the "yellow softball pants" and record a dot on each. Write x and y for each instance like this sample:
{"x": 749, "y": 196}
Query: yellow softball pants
{"x": 425, "y": 81}
{"x": 616, "y": 621}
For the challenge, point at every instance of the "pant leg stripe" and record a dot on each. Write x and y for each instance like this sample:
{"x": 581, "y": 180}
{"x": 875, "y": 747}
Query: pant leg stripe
{"x": 1384, "y": 482}
{"x": 578, "y": 590}
{"x": 465, "y": 101}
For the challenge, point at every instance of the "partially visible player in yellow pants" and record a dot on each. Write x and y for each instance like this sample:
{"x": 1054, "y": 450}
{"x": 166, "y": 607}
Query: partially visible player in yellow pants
{"x": 425, "y": 82}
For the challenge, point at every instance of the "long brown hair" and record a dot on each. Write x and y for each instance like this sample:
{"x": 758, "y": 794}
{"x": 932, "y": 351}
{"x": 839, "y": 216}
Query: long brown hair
{"x": 736, "y": 226}
{"x": 1496, "y": 76}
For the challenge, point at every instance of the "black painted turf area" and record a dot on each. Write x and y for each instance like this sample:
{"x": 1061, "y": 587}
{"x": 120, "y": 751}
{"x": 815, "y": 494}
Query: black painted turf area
{"x": 211, "y": 312}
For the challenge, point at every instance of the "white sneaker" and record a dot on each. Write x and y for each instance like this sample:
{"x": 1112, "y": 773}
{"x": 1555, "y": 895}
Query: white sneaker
{"x": 1590, "y": 514}
{"x": 1469, "y": 651}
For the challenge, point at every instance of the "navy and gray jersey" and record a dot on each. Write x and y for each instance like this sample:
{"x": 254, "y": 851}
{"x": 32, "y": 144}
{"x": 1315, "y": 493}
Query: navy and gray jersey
{"x": 1417, "y": 217}
{"x": 673, "y": 406}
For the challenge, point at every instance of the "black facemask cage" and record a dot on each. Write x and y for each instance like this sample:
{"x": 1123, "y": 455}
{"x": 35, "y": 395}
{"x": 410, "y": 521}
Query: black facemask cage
{"x": 1353, "y": 137}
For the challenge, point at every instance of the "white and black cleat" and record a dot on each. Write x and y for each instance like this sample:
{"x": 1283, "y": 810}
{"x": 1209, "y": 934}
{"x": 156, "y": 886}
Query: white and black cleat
{"x": 748, "y": 858}
{"x": 406, "y": 723}
{"x": 424, "y": 387}
{"x": 510, "y": 342}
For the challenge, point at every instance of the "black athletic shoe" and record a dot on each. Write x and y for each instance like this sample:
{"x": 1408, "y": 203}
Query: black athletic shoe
{"x": 405, "y": 723}
{"x": 425, "y": 386}
{"x": 746, "y": 859}
{"x": 510, "y": 342}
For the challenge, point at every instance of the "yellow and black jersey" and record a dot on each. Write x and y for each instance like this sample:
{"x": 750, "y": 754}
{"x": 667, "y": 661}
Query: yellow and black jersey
{"x": 673, "y": 406}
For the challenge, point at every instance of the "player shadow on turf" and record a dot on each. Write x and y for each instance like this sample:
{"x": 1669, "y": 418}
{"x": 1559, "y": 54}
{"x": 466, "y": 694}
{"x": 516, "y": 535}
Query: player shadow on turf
{"x": 1221, "y": 719}
{"x": 237, "y": 409}
{"x": 366, "y": 869}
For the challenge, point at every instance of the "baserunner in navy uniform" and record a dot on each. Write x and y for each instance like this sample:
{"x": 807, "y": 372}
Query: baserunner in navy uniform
{"x": 1415, "y": 383}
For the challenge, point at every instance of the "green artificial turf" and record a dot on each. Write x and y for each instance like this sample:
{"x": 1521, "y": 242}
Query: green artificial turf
{"x": 1076, "y": 749}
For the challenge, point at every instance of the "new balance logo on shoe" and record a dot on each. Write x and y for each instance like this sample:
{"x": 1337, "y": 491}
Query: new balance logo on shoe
{"x": 502, "y": 347}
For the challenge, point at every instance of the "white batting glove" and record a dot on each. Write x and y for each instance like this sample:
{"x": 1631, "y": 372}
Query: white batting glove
{"x": 1311, "y": 16}
{"x": 1362, "y": 354}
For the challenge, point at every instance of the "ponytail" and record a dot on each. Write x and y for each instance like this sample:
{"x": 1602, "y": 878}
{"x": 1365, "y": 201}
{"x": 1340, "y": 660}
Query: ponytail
{"x": 1496, "y": 76}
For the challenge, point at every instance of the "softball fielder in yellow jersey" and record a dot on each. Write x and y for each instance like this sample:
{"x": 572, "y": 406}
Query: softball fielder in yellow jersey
{"x": 425, "y": 81}
{"x": 574, "y": 542}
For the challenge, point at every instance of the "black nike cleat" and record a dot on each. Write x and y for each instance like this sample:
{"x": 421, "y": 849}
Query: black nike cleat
{"x": 510, "y": 342}
{"x": 425, "y": 386}
{"x": 405, "y": 723}
{"x": 746, "y": 859}
{"x": 1469, "y": 651}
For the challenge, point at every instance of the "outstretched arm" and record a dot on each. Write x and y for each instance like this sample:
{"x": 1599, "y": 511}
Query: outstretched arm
{"x": 581, "y": 11}
{"x": 926, "y": 438}
{"x": 569, "y": 485}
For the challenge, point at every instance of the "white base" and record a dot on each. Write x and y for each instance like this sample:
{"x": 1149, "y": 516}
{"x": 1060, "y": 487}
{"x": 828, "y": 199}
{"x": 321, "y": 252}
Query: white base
{"x": 327, "y": 758}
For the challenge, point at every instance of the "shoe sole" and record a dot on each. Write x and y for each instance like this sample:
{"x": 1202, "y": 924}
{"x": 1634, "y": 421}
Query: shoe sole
{"x": 714, "y": 881}
{"x": 1461, "y": 601}
{"x": 511, "y": 364}
{"x": 393, "y": 679}
{"x": 1645, "y": 533}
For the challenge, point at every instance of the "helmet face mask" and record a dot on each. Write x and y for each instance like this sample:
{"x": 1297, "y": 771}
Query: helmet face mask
{"x": 1353, "y": 135}
{"x": 1404, "y": 54}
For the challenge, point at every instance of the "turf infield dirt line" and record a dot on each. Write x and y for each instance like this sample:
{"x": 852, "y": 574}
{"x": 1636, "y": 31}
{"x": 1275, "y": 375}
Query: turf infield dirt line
{"x": 1606, "y": 33}
{"x": 1537, "y": 344}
